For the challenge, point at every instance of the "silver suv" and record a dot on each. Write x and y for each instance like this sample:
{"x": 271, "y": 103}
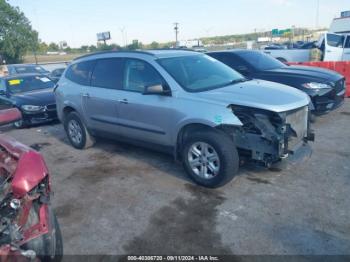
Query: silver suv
{"x": 185, "y": 103}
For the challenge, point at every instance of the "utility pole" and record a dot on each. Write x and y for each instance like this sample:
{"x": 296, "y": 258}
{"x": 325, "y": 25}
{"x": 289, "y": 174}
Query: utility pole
{"x": 122, "y": 30}
{"x": 176, "y": 28}
{"x": 317, "y": 14}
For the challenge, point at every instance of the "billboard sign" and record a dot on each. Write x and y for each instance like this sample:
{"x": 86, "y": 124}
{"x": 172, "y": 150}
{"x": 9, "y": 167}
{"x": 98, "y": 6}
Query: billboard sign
{"x": 104, "y": 36}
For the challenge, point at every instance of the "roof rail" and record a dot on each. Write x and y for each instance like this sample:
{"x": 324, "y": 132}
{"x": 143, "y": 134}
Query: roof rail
{"x": 173, "y": 49}
{"x": 113, "y": 52}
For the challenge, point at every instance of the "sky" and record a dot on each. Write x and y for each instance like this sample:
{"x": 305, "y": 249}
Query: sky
{"x": 78, "y": 21}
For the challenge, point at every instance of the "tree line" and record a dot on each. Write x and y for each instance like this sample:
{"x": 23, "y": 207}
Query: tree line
{"x": 17, "y": 36}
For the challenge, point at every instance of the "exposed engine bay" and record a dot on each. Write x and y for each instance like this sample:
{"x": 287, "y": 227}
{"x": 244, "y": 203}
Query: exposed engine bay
{"x": 16, "y": 229}
{"x": 268, "y": 137}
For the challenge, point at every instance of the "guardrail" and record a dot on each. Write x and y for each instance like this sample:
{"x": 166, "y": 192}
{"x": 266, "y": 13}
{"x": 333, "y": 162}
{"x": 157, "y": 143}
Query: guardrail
{"x": 342, "y": 67}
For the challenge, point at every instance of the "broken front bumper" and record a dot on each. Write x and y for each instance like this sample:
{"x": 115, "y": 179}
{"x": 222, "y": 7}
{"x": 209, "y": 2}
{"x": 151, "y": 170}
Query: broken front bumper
{"x": 268, "y": 137}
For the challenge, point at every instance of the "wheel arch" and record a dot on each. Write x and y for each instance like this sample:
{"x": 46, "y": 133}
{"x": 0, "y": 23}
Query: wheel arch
{"x": 189, "y": 128}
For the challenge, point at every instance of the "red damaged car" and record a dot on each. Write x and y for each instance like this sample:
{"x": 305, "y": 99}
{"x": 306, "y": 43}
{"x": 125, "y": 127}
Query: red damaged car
{"x": 28, "y": 227}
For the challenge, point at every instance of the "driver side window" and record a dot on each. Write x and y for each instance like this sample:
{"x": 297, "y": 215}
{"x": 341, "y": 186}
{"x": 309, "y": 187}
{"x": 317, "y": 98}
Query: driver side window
{"x": 138, "y": 75}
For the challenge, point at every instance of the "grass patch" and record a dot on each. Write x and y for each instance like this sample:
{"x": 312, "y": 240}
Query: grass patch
{"x": 50, "y": 58}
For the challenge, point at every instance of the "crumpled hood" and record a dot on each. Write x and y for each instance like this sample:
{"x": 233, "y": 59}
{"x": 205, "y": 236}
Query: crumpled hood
{"x": 258, "y": 94}
{"x": 309, "y": 72}
{"x": 38, "y": 97}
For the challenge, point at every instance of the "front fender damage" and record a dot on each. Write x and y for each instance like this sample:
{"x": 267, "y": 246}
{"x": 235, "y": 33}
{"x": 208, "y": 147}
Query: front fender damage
{"x": 267, "y": 137}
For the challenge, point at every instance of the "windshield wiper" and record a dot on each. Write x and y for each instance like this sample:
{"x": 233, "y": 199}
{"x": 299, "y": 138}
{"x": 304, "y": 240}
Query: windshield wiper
{"x": 237, "y": 81}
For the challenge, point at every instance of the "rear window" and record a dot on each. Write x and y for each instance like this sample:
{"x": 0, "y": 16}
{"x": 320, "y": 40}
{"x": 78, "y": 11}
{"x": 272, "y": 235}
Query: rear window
{"x": 335, "y": 40}
{"x": 27, "y": 84}
{"x": 80, "y": 73}
{"x": 261, "y": 61}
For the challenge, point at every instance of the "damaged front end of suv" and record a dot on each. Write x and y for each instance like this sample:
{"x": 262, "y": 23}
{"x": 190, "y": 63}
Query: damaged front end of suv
{"x": 267, "y": 137}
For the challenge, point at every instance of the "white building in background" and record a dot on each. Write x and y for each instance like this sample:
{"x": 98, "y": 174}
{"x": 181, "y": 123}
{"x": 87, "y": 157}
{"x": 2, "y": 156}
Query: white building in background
{"x": 341, "y": 25}
{"x": 190, "y": 43}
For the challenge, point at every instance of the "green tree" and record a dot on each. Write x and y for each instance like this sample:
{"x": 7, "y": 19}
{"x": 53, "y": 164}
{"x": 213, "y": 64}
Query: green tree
{"x": 53, "y": 47}
{"x": 43, "y": 48}
{"x": 154, "y": 45}
{"x": 16, "y": 34}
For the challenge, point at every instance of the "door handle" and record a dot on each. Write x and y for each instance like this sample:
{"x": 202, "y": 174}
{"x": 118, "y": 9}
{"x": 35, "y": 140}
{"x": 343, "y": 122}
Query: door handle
{"x": 123, "y": 101}
{"x": 87, "y": 95}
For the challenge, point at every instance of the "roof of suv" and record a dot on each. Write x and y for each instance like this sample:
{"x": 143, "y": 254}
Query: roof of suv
{"x": 166, "y": 53}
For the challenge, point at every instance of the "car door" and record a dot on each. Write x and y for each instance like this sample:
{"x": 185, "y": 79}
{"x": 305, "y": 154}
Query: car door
{"x": 334, "y": 45}
{"x": 346, "y": 52}
{"x": 147, "y": 118}
{"x": 101, "y": 97}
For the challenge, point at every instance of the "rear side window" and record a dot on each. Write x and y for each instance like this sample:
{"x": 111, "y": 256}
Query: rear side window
{"x": 80, "y": 73}
{"x": 335, "y": 40}
{"x": 108, "y": 73}
{"x": 347, "y": 44}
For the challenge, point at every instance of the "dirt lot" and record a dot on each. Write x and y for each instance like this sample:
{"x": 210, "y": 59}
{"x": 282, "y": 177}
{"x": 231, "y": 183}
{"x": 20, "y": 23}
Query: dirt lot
{"x": 118, "y": 199}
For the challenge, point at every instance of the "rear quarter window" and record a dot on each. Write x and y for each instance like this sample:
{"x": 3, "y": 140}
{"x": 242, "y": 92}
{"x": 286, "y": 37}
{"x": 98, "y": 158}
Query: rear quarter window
{"x": 80, "y": 73}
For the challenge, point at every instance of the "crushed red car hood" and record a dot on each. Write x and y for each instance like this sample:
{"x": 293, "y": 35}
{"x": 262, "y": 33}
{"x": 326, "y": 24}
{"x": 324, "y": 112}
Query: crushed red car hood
{"x": 28, "y": 168}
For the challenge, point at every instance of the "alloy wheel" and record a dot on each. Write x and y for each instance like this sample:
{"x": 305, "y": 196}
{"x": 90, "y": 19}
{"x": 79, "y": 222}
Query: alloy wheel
{"x": 204, "y": 160}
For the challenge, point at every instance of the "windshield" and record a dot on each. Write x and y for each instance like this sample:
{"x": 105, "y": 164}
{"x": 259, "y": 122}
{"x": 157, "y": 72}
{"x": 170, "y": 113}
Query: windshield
{"x": 29, "y": 83}
{"x": 261, "y": 61}
{"x": 27, "y": 69}
{"x": 199, "y": 72}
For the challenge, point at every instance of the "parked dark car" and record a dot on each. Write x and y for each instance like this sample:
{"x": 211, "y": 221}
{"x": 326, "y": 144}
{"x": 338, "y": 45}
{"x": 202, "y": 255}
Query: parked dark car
{"x": 32, "y": 94}
{"x": 326, "y": 88}
{"x": 16, "y": 69}
{"x": 56, "y": 74}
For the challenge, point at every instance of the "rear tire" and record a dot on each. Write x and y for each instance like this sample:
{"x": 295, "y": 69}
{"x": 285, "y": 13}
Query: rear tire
{"x": 210, "y": 158}
{"x": 77, "y": 132}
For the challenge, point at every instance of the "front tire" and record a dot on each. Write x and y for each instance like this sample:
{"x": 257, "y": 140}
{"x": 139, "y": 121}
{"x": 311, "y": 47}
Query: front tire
{"x": 210, "y": 158}
{"x": 77, "y": 133}
{"x": 20, "y": 124}
{"x": 48, "y": 247}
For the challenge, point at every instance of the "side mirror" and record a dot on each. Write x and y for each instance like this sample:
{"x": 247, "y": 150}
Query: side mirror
{"x": 8, "y": 116}
{"x": 156, "y": 90}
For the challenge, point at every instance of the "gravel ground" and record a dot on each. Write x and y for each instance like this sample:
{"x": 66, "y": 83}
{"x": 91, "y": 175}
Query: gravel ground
{"x": 120, "y": 199}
